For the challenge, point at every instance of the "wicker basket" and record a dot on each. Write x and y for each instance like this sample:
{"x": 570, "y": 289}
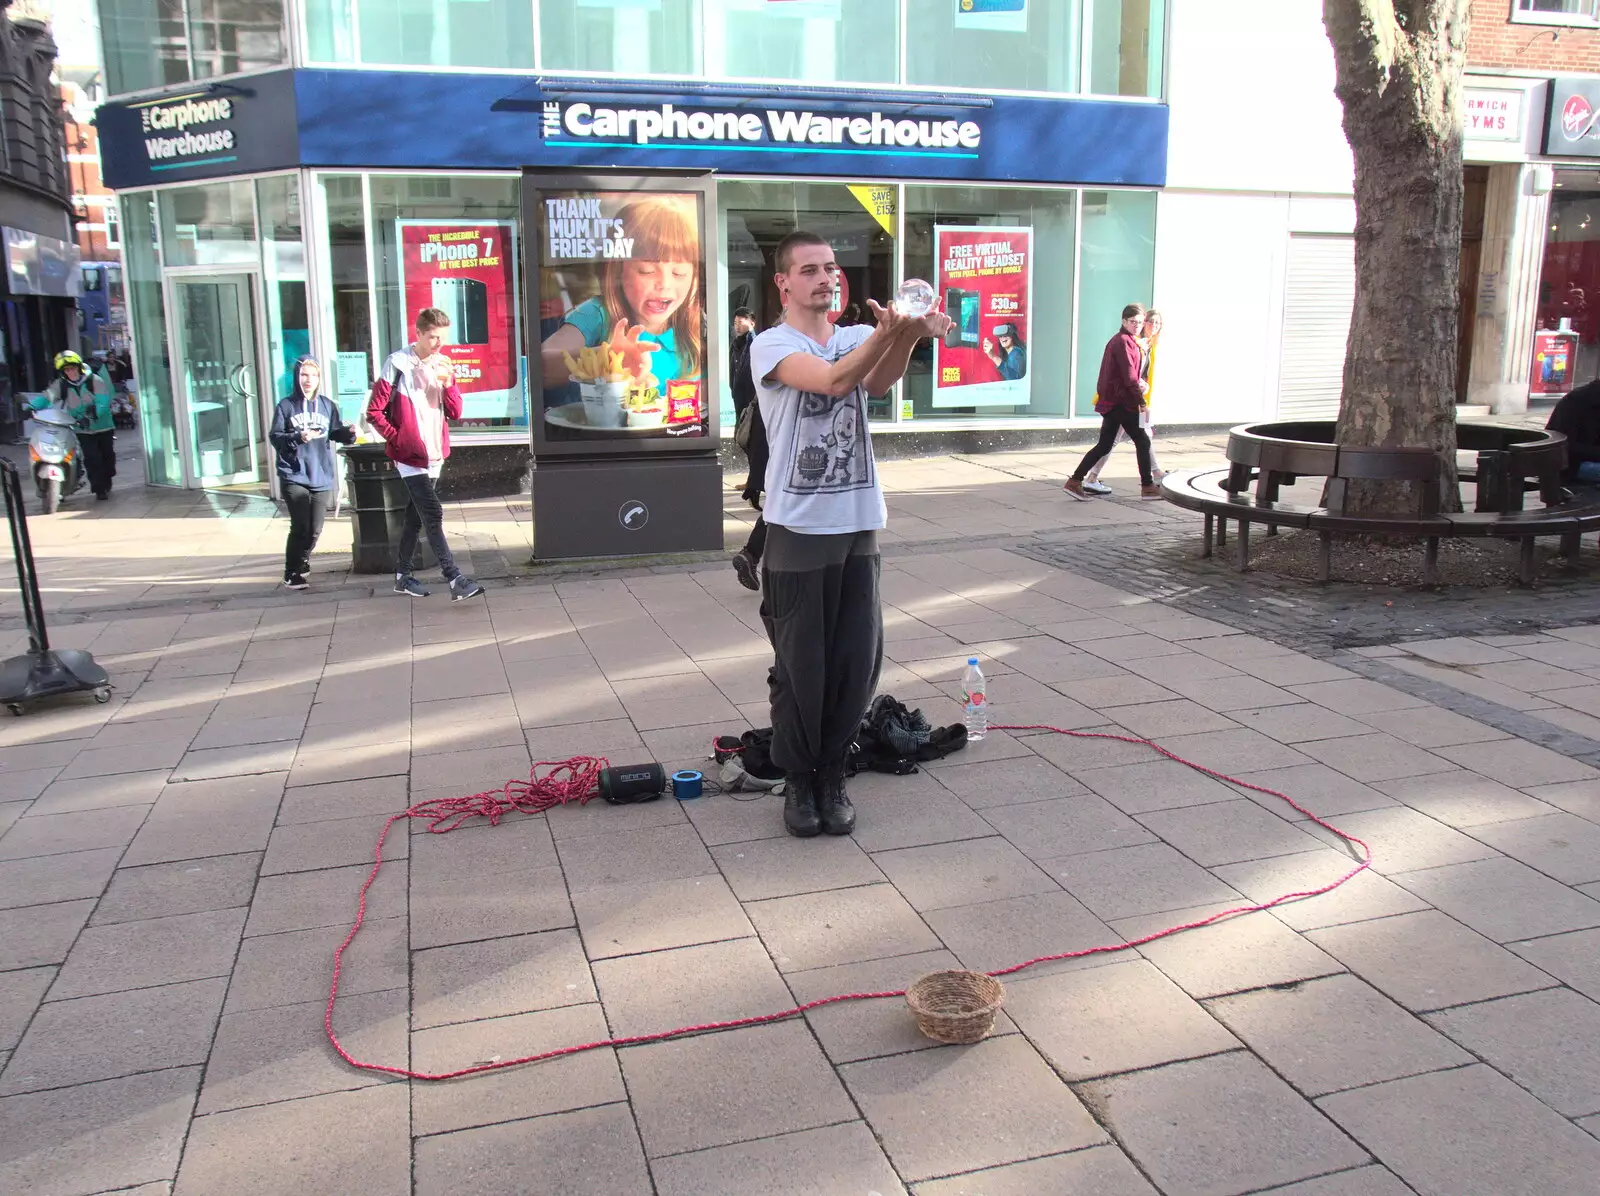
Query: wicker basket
{"x": 955, "y": 1006}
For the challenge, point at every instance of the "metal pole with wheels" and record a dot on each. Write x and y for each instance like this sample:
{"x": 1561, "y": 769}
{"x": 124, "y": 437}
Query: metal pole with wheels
{"x": 42, "y": 672}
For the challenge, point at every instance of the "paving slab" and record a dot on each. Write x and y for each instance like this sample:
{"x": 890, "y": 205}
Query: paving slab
{"x": 1402, "y": 840}
{"x": 1468, "y": 1130}
{"x": 719, "y": 1089}
{"x": 1548, "y": 1042}
{"x": 553, "y": 1086}
{"x": 1008, "y": 782}
{"x": 1563, "y": 846}
{"x": 182, "y": 887}
{"x": 1427, "y": 960}
{"x": 40, "y": 880}
{"x": 783, "y": 867}
{"x": 497, "y": 977}
{"x": 964, "y": 873}
{"x": 1463, "y": 799}
{"x": 837, "y": 1158}
{"x": 62, "y": 834}
{"x": 938, "y": 1112}
{"x": 1121, "y": 1017}
{"x": 1502, "y": 899}
{"x": 1573, "y": 958}
{"x": 101, "y": 1137}
{"x": 1306, "y": 1032}
{"x": 20, "y": 994}
{"x": 712, "y": 982}
{"x": 344, "y": 1142}
{"x": 1359, "y": 1181}
{"x": 589, "y": 1152}
{"x": 624, "y": 919}
{"x": 1103, "y": 1170}
{"x": 1227, "y": 832}
{"x": 296, "y": 967}
{"x": 1067, "y": 826}
{"x": 197, "y": 819}
{"x": 1363, "y": 896}
{"x": 816, "y": 930}
{"x": 40, "y": 934}
{"x": 1143, "y": 879}
{"x": 1248, "y": 951}
{"x": 267, "y": 1055}
{"x": 87, "y": 1039}
{"x": 151, "y": 952}
{"x": 1219, "y": 1125}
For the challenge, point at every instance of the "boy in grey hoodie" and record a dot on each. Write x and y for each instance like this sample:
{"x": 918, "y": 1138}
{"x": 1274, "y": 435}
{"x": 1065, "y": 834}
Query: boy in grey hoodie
{"x": 303, "y": 425}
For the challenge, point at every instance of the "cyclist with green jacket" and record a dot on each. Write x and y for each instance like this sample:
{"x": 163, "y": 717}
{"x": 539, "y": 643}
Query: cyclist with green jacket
{"x": 87, "y": 399}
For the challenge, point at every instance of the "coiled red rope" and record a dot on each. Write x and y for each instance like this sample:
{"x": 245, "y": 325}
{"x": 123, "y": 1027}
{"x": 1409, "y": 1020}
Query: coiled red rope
{"x": 575, "y": 781}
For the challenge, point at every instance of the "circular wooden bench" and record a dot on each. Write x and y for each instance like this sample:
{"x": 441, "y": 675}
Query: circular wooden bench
{"x": 1510, "y": 462}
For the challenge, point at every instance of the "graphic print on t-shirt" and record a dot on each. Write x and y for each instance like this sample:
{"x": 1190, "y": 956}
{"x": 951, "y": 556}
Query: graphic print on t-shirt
{"x": 830, "y": 450}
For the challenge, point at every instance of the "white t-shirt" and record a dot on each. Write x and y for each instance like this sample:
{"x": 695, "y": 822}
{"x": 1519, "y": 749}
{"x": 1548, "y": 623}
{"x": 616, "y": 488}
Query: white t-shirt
{"x": 821, "y": 478}
{"x": 427, "y": 402}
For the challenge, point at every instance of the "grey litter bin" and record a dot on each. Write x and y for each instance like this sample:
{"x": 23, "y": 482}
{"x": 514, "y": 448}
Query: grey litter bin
{"x": 378, "y": 511}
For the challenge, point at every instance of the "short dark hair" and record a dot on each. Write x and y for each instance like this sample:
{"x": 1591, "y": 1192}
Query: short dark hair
{"x": 745, "y": 312}
{"x": 430, "y": 318}
{"x": 796, "y": 240}
{"x": 1133, "y": 309}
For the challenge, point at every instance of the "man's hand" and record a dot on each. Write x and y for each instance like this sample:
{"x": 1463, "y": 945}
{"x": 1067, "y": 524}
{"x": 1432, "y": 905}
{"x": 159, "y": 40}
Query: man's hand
{"x": 305, "y": 436}
{"x": 936, "y": 323}
{"x": 889, "y": 320}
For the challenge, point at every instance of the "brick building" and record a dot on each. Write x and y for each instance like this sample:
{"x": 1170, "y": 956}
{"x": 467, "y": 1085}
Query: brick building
{"x": 39, "y": 284}
{"x": 1536, "y": 36}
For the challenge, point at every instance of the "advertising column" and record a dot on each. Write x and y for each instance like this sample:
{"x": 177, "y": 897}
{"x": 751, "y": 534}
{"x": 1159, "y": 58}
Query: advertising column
{"x": 623, "y": 433}
{"x": 985, "y": 279}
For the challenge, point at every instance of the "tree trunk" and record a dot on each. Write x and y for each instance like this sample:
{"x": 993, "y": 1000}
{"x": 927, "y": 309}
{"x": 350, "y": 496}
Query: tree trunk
{"x": 1399, "y": 65}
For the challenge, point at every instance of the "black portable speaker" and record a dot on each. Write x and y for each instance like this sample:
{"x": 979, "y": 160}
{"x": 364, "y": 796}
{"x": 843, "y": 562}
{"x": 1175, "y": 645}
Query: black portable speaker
{"x": 628, "y": 784}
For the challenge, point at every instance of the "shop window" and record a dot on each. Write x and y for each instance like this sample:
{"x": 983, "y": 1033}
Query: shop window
{"x": 1001, "y": 260}
{"x": 440, "y": 33}
{"x": 1569, "y": 282}
{"x": 624, "y": 37}
{"x": 213, "y": 224}
{"x": 283, "y": 277}
{"x": 755, "y": 216}
{"x": 147, "y": 318}
{"x": 1020, "y": 45}
{"x": 346, "y": 284}
{"x": 1118, "y": 268}
{"x": 1557, "y": 12}
{"x": 453, "y": 242}
{"x": 1125, "y": 46}
{"x": 822, "y": 41}
{"x": 152, "y": 43}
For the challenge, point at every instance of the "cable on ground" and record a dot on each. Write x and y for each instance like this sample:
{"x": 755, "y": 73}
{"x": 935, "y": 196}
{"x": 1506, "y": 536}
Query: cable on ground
{"x": 576, "y": 780}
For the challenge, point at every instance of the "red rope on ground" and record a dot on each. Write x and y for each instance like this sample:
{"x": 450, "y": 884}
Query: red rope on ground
{"x": 575, "y": 781}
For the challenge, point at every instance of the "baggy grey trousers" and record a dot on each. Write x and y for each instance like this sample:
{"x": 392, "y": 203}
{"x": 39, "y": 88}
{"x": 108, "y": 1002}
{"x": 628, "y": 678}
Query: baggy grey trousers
{"x": 822, "y": 613}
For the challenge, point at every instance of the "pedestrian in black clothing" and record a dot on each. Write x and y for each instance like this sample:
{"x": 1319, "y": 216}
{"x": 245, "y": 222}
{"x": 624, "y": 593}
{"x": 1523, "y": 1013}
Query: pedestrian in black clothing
{"x": 303, "y": 425}
{"x": 1577, "y": 417}
{"x": 739, "y": 379}
{"x": 747, "y": 561}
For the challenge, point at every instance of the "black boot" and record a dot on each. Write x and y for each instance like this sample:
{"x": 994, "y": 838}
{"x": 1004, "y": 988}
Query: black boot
{"x": 800, "y": 805}
{"x": 833, "y": 803}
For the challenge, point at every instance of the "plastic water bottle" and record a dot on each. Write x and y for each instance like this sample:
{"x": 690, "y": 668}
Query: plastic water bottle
{"x": 915, "y": 298}
{"x": 972, "y": 687}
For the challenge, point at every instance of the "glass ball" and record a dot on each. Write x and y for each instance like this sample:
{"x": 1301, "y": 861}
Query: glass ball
{"x": 915, "y": 298}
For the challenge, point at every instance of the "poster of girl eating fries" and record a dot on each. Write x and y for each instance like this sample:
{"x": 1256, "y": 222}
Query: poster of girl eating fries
{"x": 626, "y": 270}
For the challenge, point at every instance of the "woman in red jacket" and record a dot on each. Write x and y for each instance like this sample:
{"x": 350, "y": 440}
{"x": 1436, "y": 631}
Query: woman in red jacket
{"x": 1121, "y": 393}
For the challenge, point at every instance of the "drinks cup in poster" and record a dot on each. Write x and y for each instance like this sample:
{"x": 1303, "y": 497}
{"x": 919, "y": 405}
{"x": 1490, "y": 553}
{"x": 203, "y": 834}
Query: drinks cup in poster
{"x": 468, "y": 270}
{"x": 628, "y": 358}
{"x": 985, "y": 276}
{"x": 1005, "y": 16}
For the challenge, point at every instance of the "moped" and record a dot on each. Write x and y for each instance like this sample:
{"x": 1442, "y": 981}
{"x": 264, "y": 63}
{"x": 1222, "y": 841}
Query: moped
{"x": 56, "y": 456}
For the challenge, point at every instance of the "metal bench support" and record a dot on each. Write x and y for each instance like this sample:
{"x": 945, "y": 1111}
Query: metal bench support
{"x": 1210, "y": 534}
{"x": 1430, "y": 563}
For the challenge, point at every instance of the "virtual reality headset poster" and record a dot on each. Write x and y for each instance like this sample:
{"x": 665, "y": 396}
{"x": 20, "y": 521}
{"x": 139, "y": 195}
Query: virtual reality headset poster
{"x": 468, "y": 269}
{"x": 985, "y": 277}
{"x": 623, "y": 317}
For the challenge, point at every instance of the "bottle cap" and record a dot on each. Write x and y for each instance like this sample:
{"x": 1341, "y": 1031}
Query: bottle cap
{"x": 972, "y": 660}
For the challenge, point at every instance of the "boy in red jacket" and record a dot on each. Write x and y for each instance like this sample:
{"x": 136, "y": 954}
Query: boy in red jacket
{"x": 412, "y": 403}
{"x": 1121, "y": 390}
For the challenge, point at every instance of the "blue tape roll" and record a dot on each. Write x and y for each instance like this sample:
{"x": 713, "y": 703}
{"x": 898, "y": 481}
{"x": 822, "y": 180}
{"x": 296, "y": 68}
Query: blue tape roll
{"x": 687, "y": 784}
